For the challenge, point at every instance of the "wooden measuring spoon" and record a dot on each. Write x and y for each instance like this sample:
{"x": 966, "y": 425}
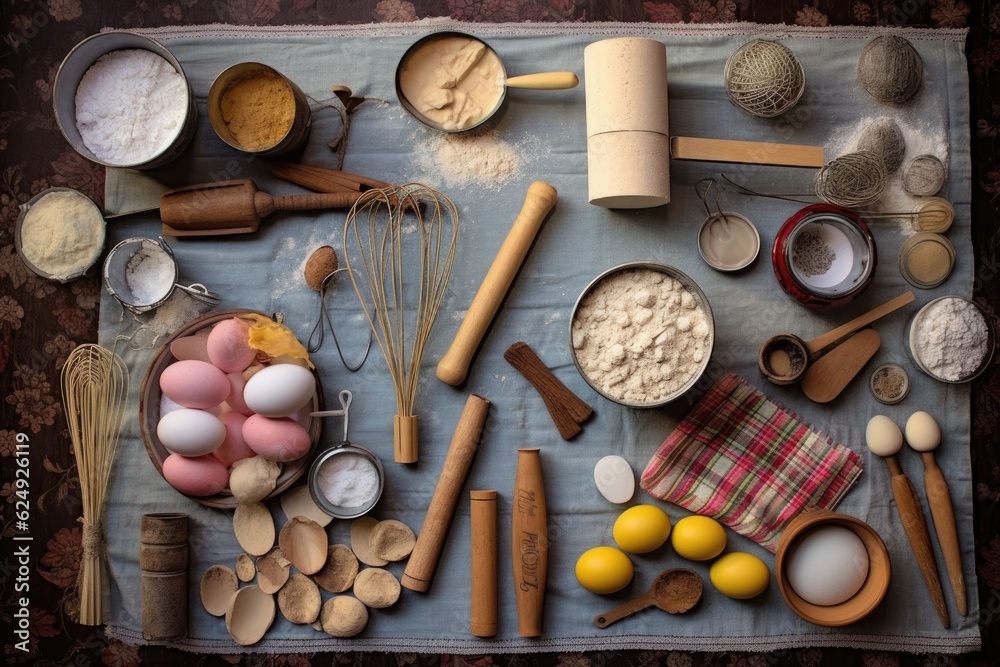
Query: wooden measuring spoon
{"x": 923, "y": 434}
{"x": 812, "y": 349}
{"x": 885, "y": 439}
{"x": 830, "y": 374}
{"x": 674, "y": 591}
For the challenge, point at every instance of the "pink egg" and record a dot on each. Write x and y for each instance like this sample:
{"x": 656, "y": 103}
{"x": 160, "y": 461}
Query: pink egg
{"x": 229, "y": 346}
{"x": 235, "y": 398}
{"x": 234, "y": 447}
{"x": 280, "y": 439}
{"x": 194, "y": 384}
{"x": 195, "y": 476}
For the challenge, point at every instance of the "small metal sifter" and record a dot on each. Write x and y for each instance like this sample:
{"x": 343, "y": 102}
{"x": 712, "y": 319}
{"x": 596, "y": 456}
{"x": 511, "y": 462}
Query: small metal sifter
{"x": 142, "y": 273}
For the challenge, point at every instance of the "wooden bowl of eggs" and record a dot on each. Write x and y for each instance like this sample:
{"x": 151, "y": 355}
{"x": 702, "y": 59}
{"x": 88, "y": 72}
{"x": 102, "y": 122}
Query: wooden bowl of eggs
{"x": 832, "y": 569}
{"x": 206, "y": 401}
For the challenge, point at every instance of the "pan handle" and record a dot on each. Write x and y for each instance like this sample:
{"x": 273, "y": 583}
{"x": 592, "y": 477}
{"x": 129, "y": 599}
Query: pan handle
{"x": 544, "y": 81}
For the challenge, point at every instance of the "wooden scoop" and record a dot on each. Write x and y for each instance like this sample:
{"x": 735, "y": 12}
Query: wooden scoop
{"x": 234, "y": 207}
{"x": 674, "y": 591}
{"x": 827, "y": 377}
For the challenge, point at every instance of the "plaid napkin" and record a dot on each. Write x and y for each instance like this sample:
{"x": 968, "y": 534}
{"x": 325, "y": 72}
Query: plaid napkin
{"x": 743, "y": 460}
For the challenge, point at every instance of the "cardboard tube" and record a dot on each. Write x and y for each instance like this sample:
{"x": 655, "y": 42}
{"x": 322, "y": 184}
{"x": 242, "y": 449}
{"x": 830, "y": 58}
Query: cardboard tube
{"x": 454, "y": 365}
{"x": 529, "y": 543}
{"x": 483, "y": 579}
{"x": 423, "y": 560}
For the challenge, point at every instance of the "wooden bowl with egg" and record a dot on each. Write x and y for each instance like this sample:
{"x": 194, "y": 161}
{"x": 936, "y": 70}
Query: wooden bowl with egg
{"x": 150, "y": 397}
{"x": 870, "y": 590}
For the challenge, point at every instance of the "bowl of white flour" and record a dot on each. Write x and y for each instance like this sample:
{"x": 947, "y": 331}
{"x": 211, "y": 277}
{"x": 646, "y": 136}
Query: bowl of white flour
{"x": 123, "y": 100}
{"x": 951, "y": 339}
{"x": 642, "y": 334}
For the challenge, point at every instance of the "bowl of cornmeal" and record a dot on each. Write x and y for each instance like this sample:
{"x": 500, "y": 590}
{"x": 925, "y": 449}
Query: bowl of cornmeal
{"x": 59, "y": 234}
{"x": 642, "y": 334}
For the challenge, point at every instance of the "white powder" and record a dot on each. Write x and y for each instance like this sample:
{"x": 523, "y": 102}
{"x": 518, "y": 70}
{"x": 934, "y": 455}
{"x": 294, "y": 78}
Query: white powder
{"x": 640, "y": 336}
{"x": 62, "y": 234}
{"x": 130, "y": 106}
{"x": 348, "y": 480}
{"x": 469, "y": 158}
{"x": 921, "y": 137}
{"x": 150, "y": 275}
{"x": 951, "y": 338}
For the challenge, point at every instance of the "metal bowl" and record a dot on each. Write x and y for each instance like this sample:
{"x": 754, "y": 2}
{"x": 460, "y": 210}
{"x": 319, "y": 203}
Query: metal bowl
{"x": 20, "y": 222}
{"x": 337, "y": 512}
{"x": 76, "y": 64}
{"x": 922, "y": 365}
{"x": 691, "y": 287}
{"x": 149, "y": 414}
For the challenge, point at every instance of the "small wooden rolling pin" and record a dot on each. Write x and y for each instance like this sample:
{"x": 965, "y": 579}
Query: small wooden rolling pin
{"x": 454, "y": 365}
{"x": 529, "y": 543}
{"x": 423, "y": 561}
{"x": 483, "y": 612}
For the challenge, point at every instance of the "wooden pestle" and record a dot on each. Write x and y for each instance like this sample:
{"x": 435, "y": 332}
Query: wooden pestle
{"x": 483, "y": 621}
{"x": 454, "y": 365}
{"x": 923, "y": 434}
{"x": 423, "y": 560}
{"x": 529, "y": 542}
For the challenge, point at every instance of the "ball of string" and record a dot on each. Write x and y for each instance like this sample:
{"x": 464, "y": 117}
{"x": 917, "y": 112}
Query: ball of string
{"x": 764, "y": 78}
{"x": 890, "y": 69}
{"x": 854, "y": 180}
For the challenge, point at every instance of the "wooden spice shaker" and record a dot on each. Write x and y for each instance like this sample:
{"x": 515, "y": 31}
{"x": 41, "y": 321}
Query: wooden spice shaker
{"x": 163, "y": 560}
{"x": 529, "y": 542}
{"x": 483, "y": 580}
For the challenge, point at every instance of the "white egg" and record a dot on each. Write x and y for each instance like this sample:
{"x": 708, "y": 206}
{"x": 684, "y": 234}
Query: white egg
{"x": 279, "y": 390}
{"x": 615, "y": 479}
{"x": 827, "y": 565}
{"x": 190, "y": 432}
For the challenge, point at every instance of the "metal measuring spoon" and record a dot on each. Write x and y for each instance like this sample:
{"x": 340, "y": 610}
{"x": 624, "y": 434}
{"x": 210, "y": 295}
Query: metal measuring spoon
{"x": 675, "y": 591}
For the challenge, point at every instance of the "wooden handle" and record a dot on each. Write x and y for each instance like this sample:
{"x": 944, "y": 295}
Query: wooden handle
{"x": 567, "y": 410}
{"x": 404, "y": 438}
{"x": 544, "y": 81}
{"x": 483, "y": 580}
{"x": 908, "y": 507}
{"x": 626, "y": 609}
{"x": 308, "y": 202}
{"x": 529, "y": 543}
{"x": 323, "y": 179}
{"x": 832, "y": 336}
{"x": 423, "y": 561}
{"x": 454, "y": 365}
{"x": 751, "y": 152}
{"x": 943, "y": 514}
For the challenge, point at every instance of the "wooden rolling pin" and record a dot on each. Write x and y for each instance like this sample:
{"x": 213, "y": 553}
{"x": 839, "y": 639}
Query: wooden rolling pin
{"x": 454, "y": 366}
{"x": 529, "y": 543}
{"x": 423, "y": 560}
{"x": 483, "y": 580}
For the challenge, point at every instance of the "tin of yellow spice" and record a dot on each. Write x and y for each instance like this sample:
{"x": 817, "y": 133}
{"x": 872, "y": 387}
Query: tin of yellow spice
{"x": 259, "y": 108}
{"x": 926, "y": 259}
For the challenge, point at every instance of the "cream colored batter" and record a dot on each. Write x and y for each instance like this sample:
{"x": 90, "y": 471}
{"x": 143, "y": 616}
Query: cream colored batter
{"x": 453, "y": 81}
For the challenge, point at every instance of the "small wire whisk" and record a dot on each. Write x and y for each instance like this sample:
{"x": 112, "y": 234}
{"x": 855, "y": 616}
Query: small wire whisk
{"x": 399, "y": 248}
{"x": 94, "y": 390}
{"x": 704, "y": 188}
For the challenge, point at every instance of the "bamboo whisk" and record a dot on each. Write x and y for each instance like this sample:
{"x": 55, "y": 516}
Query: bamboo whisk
{"x": 94, "y": 389}
{"x": 399, "y": 247}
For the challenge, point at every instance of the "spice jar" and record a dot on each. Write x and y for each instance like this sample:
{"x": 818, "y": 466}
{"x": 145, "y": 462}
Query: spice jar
{"x": 163, "y": 560}
{"x": 926, "y": 259}
{"x": 824, "y": 256}
{"x": 889, "y": 384}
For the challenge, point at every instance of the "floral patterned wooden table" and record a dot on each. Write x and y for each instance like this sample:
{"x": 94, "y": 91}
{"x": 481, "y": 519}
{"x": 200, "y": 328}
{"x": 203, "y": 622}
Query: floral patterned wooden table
{"x": 41, "y": 322}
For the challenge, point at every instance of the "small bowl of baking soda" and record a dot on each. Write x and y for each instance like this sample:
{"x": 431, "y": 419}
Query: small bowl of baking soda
{"x": 642, "y": 334}
{"x": 951, "y": 339}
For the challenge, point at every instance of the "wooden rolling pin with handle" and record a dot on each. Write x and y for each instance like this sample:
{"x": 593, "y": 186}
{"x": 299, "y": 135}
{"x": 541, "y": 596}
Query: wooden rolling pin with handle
{"x": 529, "y": 542}
{"x": 423, "y": 561}
{"x": 234, "y": 207}
{"x": 454, "y": 365}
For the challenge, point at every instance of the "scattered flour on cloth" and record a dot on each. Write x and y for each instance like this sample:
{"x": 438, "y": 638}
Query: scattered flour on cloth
{"x": 480, "y": 159}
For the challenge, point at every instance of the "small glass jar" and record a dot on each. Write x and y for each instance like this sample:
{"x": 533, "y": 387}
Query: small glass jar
{"x": 926, "y": 259}
{"x": 889, "y": 384}
{"x": 824, "y": 256}
{"x": 913, "y": 329}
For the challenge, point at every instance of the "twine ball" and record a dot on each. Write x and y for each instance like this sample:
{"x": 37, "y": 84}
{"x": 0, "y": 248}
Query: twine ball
{"x": 890, "y": 69}
{"x": 924, "y": 175}
{"x": 883, "y": 137}
{"x": 764, "y": 78}
{"x": 854, "y": 180}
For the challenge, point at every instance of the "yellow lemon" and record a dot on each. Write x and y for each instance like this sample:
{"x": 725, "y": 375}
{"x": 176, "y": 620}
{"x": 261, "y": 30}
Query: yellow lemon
{"x": 740, "y": 575}
{"x": 698, "y": 538}
{"x": 603, "y": 570}
{"x": 641, "y": 529}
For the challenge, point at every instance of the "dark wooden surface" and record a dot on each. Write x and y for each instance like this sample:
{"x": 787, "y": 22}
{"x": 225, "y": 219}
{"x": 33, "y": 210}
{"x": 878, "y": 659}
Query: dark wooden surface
{"x": 41, "y": 322}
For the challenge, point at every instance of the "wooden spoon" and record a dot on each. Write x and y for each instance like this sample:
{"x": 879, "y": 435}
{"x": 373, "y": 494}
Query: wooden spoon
{"x": 828, "y": 376}
{"x": 674, "y": 591}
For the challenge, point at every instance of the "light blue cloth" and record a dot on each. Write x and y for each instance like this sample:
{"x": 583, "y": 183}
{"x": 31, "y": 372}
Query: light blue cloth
{"x": 263, "y": 272}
